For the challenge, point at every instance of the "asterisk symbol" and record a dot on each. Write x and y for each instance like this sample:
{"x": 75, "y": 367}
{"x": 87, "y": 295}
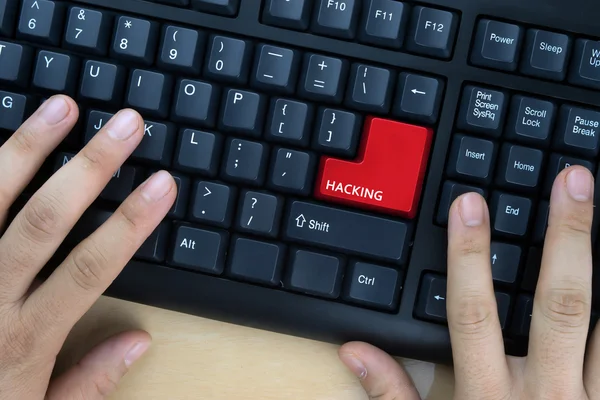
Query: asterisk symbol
{"x": 128, "y": 24}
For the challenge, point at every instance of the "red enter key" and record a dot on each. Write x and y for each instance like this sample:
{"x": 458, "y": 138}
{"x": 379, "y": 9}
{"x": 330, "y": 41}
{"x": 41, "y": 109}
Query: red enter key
{"x": 388, "y": 173}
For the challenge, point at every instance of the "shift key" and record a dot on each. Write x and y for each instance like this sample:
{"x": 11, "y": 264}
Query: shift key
{"x": 349, "y": 231}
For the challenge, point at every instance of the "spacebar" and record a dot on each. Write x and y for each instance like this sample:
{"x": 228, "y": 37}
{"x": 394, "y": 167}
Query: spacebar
{"x": 350, "y": 231}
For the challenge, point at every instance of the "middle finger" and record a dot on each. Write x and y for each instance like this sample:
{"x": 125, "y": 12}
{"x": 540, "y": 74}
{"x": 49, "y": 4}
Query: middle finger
{"x": 41, "y": 226}
{"x": 563, "y": 297}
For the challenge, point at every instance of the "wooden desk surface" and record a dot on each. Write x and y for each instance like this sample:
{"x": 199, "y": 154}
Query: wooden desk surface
{"x": 196, "y": 358}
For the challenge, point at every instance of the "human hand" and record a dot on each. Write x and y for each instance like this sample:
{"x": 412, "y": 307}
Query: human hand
{"x": 35, "y": 321}
{"x": 557, "y": 366}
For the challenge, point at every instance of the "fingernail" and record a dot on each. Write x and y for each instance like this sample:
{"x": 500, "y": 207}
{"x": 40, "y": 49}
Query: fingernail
{"x": 157, "y": 186}
{"x": 354, "y": 365}
{"x": 471, "y": 210}
{"x": 123, "y": 125}
{"x": 136, "y": 352}
{"x": 54, "y": 110}
{"x": 579, "y": 185}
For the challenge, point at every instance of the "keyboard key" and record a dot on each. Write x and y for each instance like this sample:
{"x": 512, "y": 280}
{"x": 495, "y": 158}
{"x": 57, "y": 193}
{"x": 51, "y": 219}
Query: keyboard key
{"x": 530, "y": 120}
{"x": 541, "y": 222}
{"x": 510, "y": 214}
{"x": 256, "y": 261}
{"x": 315, "y": 273}
{"x": 431, "y": 303}
{"x": 15, "y": 63}
{"x": 338, "y": 132}
{"x": 482, "y": 111}
{"x": 196, "y": 103}
{"x": 585, "y": 67}
{"x": 577, "y": 131}
{"x": 520, "y": 167}
{"x": 373, "y": 286}
{"x": 323, "y": 78}
{"x": 505, "y": 260}
{"x": 497, "y": 45}
{"x": 384, "y": 22}
{"x": 41, "y": 21}
{"x": 290, "y": 122}
{"x": 287, "y": 14}
{"x": 432, "y": 32}
{"x": 212, "y": 203}
{"x": 154, "y": 248}
{"x": 102, "y": 82}
{"x": 149, "y": 92}
{"x": 245, "y": 161}
{"x": 197, "y": 152}
{"x": 335, "y": 18}
{"x": 14, "y": 109}
{"x": 471, "y": 159}
{"x": 181, "y": 50}
{"x": 370, "y": 88}
{"x": 135, "y": 40}
{"x": 546, "y": 54}
{"x": 179, "y": 208}
{"x": 243, "y": 112}
{"x": 275, "y": 68}
{"x": 223, "y": 7}
{"x": 523, "y": 313}
{"x": 292, "y": 171}
{"x": 87, "y": 30}
{"x": 199, "y": 249}
{"x": 259, "y": 213}
{"x": 349, "y": 231}
{"x": 55, "y": 72}
{"x": 122, "y": 184}
{"x": 418, "y": 97}
{"x": 229, "y": 59}
{"x": 450, "y": 192}
{"x": 559, "y": 162}
{"x": 156, "y": 146}
{"x": 8, "y": 13}
{"x": 370, "y": 182}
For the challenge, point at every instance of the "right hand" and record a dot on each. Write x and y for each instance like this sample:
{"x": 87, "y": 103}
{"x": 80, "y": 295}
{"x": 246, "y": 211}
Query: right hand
{"x": 558, "y": 365}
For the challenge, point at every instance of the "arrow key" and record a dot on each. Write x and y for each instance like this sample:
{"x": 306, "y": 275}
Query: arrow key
{"x": 505, "y": 259}
{"x": 418, "y": 97}
{"x": 431, "y": 304}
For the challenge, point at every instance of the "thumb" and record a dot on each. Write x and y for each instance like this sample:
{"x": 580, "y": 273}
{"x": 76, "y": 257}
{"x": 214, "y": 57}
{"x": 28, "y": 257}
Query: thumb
{"x": 380, "y": 375}
{"x": 96, "y": 376}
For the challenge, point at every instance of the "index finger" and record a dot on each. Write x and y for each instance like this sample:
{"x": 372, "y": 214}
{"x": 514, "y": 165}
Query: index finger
{"x": 477, "y": 344}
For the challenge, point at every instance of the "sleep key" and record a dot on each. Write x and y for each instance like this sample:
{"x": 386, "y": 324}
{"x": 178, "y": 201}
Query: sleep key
{"x": 338, "y": 229}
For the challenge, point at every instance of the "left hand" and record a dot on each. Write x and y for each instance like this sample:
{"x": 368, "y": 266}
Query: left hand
{"x": 36, "y": 319}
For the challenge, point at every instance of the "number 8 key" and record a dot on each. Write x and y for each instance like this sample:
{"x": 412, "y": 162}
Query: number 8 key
{"x": 135, "y": 40}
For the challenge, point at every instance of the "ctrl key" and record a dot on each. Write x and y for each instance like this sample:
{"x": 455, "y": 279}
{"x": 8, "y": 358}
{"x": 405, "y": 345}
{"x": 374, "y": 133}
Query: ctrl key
{"x": 373, "y": 286}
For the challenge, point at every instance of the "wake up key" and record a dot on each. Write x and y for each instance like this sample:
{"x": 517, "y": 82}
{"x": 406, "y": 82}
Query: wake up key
{"x": 358, "y": 233}
{"x": 578, "y": 131}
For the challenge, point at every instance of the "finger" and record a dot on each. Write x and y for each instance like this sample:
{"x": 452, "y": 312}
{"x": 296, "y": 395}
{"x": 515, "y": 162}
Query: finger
{"x": 477, "y": 344}
{"x": 40, "y": 227}
{"x": 97, "y": 375}
{"x": 562, "y": 306}
{"x": 379, "y": 374}
{"x": 591, "y": 371}
{"x": 92, "y": 266}
{"x": 25, "y": 151}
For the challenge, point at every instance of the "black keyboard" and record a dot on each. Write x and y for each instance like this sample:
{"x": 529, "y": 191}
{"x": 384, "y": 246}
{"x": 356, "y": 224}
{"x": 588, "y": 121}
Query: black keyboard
{"x": 317, "y": 146}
